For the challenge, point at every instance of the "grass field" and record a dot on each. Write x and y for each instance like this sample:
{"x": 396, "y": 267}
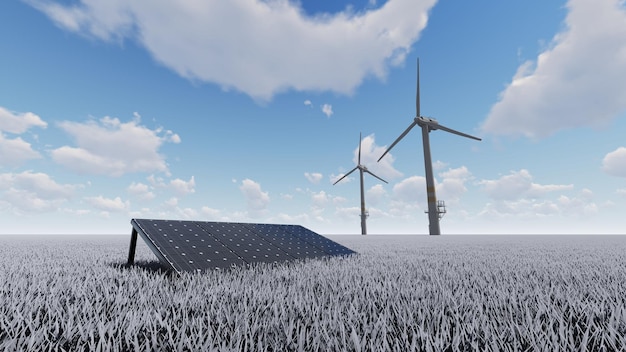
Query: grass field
{"x": 404, "y": 293}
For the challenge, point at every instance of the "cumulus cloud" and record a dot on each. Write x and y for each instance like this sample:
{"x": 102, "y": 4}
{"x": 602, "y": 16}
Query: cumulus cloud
{"x": 108, "y": 204}
{"x": 518, "y": 184}
{"x": 515, "y": 195}
{"x": 334, "y": 178}
{"x": 370, "y": 152}
{"x": 17, "y": 123}
{"x": 213, "y": 214}
{"x": 319, "y": 199}
{"x": 111, "y": 147}
{"x": 314, "y": 177}
{"x": 375, "y": 194}
{"x": 141, "y": 191}
{"x": 579, "y": 81}
{"x": 308, "y": 103}
{"x": 525, "y": 208}
{"x": 214, "y": 41}
{"x": 452, "y": 186}
{"x": 410, "y": 190}
{"x": 34, "y": 192}
{"x": 614, "y": 163}
{"x": 327, "y": 109}
{"x": 15, "y": 151}
{"x": 257, "y": 200}
{"x": 182, "y": 187}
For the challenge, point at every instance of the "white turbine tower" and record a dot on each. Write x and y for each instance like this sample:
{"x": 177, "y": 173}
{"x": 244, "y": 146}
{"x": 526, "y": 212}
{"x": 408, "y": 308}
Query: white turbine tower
{"x": 427, "y": 124}
{"x": 361, "y": 169}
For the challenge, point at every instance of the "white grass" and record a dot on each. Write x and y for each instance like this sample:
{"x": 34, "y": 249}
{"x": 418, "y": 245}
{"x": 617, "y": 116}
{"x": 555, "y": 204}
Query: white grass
{"x": 499, "y": 293}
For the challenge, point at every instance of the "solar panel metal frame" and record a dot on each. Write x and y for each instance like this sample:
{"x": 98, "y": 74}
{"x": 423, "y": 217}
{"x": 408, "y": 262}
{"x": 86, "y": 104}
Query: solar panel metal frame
{"x": 269, "y": 242}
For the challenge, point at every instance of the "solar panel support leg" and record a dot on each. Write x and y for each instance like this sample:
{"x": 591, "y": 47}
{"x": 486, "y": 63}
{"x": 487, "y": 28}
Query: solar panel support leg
{"x": 133, "y": 246}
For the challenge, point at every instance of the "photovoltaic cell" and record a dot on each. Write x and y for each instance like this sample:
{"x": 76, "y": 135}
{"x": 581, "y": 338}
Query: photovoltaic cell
{"x": 327, "y": 246}
{"x": 245, "y": 243}
{"x": 184, "y": 246}
{"x": 199, "y": 245}
{"x": 288, "y": 243}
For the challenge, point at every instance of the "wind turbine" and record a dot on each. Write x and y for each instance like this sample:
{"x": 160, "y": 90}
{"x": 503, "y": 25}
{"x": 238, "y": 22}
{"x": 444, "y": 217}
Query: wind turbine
{"x": 361, "y": 169}
{"x": 428, "y": 124}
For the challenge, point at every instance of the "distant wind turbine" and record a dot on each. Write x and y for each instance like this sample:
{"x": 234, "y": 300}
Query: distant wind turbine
{"x": 362, "y": 169}
{"x": 428, "y": 124}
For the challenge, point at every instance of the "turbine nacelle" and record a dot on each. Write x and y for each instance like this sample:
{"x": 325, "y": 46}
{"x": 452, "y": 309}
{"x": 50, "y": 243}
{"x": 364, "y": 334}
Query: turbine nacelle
{"x": 428, "y": 121}
{"x": 427, "y": 124}
{"x": 362, "y": 169}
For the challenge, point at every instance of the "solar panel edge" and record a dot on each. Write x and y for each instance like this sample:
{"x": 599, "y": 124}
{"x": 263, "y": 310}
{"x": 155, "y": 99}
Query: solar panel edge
{"x": 152, "y": 245}
{"x": 344, "y": 248}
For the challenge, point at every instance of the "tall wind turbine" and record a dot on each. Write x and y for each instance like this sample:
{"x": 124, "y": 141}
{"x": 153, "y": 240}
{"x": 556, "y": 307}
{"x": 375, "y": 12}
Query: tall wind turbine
{"x": 427, "y": 124}
{"x": 361, "y": 169}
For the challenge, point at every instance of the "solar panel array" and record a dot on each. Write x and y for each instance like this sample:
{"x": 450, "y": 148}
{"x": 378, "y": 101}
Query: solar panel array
{"x": 193, "y": 246}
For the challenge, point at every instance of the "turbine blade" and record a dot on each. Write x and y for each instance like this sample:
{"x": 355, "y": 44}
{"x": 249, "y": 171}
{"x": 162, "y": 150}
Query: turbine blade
{"x": 371, "y": 173}
{"x": 417, "y": 96}
{"x": 359, "y": 163}
{"x": 444, "y": 128}
{"x": 346, "y": 175}
{"x": 398, "y": 139}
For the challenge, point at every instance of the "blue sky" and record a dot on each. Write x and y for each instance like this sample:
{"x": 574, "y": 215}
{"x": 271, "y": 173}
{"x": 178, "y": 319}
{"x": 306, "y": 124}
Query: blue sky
{"x": 250, "y": 110}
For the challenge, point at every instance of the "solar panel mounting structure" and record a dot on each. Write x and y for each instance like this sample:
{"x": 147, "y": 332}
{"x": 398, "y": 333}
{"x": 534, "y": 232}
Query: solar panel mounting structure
{"x": 194, "y": 246}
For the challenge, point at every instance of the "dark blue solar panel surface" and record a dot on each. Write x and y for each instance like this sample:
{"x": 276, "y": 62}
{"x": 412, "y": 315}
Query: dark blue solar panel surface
{"x": 244, "y": 242}
{"x": 288, "y": 243}
{"x": 198, "y": 245}
{"x": 329, "y": 247}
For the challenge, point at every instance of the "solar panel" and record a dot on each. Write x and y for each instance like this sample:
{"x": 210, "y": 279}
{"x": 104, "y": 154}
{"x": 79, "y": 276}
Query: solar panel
{"x": 288, "y": 243}
{"x": 192, "y": 246}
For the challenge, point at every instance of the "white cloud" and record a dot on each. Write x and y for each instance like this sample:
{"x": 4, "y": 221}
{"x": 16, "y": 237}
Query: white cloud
{"x": 410, "y": 190}
{"x": 15, "y": 151}
{"x": 34, "y": 192}
{"x": 141, "y": 191}
{"x": 621, "y": 192}
{"x": 314, "y": 177}
{"x": 308, "y": 103}
{"x": 172, "y": 137}
{"x": 518, "y": 184}
{"x": 110, "y": 147}
{"x": 439, "y": 165}
{"x": 349, "y": 213}
{"x": 339, "y": 200}
{"x": 213, "y": 214}
{"x": 108, "y": 204}
{"x": 182, "y": 187}
{"x": 452, "y": 186}
{"x": 256, "y": 199}
{"x": 375, "y": 194}
{"x": 327, "y": 109}
{"x": 214, "y": 41}
{"x": 580, "y": 80}
{"x": 370, "y": 152}
{"x": 319, "y": 199}
{"x": 614, "y": 163}
{"x": 334, "y": 178}
{"x": 171, "y": 203}
{"x": 17, "y": 123}
{"x": 516, "y": 196}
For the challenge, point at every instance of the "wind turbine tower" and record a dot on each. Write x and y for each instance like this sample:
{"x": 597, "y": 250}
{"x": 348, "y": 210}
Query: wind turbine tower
{"x": 428, "y": 124}
{"x": 362, "y": 169}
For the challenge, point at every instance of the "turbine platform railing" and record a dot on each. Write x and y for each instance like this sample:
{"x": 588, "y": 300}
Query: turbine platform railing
{"x": 441, "y": 209}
